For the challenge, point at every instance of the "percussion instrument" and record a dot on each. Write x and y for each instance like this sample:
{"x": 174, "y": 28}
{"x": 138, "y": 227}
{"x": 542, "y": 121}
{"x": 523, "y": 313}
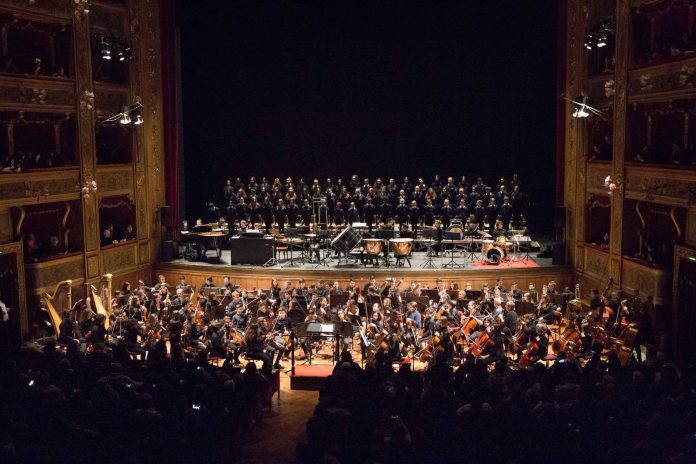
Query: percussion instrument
{"x": 346, "y": 240}
{"x": 487, "y": 245}
{"x": 401, "y": 246}
{"x": 501, "y": 242}
{"x": 494, "y": 255}
{"x": 454, "y": 232}
{"x": 373, "y": 246}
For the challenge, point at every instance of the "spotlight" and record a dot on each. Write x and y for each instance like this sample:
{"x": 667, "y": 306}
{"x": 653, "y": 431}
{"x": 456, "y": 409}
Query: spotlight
{"x": 125, "y": 118}
{"x": 121, "y": 57}
{"x": 602, "y": 38}
{"x": 105, "y": 50}
{"x": 137, "y": 116}
{"x": 580, "y": 112}
{"x": 588, "y": 41}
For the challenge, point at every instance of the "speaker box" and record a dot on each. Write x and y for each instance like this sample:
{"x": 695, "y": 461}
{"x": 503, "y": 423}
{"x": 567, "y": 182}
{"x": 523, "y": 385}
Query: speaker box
{"x": 167, "y": 250}
{"x": 558, "y": 253}
{"x": 166, "y": 216}
{"x": 559, "y": 217}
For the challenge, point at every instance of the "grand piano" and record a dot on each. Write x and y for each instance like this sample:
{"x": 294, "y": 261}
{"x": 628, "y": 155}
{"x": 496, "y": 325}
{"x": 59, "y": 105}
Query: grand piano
{"x": 202, "y": 238}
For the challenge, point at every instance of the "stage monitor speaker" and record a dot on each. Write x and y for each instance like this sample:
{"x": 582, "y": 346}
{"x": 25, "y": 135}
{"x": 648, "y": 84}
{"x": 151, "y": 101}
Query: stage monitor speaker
{"x": 559, "y": 217}
{"x": 166, "y": 216}
{"x": 558, "y": 254}
{"x": 167, "y": 251}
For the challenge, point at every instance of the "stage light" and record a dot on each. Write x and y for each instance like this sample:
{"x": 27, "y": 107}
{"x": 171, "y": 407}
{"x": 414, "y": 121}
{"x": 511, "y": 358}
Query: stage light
{"x": 137, "y": 116}
{"x": 121, "y": 57}
{"x": 589, "y": 39}
{"x": 602, "y": 38}
{"x": 105, "y": 49}
{"x": 580, "y": 112}
{"x": 125, "y": 118}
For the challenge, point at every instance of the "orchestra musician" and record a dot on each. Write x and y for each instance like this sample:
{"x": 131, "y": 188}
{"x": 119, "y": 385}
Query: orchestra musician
{"x": 254, "y": 339}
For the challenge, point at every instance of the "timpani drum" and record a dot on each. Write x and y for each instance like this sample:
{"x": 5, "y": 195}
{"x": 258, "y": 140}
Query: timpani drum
{"x": 373, "y": 246}
{"x": 401, "y": 246}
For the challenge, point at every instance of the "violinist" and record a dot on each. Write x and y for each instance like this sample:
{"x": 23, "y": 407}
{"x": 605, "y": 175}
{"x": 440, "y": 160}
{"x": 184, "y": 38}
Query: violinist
{"x": 230, "y": 339}
{"x": 394, "y": 346}
{"x": 497, "y": 314}
{"x": 193, "y": 334}
{"x": 547, "y": 311}
{"x": 254, "y": 338}
{"x": 428, "y": 323}
{"x": 156, "y": 304}
{"x": 413, "y": 315}
{"x": 516, "y": 292}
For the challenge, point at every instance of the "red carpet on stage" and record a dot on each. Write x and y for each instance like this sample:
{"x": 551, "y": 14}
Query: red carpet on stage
{"x": 310, "y": 377}
{"x": 506, "y": 264}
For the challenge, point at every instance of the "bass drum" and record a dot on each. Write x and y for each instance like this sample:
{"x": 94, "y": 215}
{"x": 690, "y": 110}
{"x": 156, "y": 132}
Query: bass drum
{"x": 494, "y": 255}
{"x": 487, "y": 245}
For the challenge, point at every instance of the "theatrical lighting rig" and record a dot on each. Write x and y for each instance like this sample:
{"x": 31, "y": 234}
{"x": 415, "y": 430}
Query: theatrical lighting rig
{"x": 582, "y": 109}
{"x": 132, "y": 114}
{"x": 599, "y": 38}
{"x": 114, "y": 49}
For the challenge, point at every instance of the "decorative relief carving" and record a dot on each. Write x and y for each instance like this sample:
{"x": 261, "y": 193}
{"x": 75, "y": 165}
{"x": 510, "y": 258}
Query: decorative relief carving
{"x": 28, "y": 189}
{"x": 596, "y": 262}
{"x": 93, "y": 266}
{"x": 57, "y": 8}
{"x": 38, "y": 96}
{"x": 90, "y": 219}
{"x": 47, "y": 274}
{"x": 651, "y": 186}
{"x": 115, "y": 180}
{"x": 119, "y": 258}
{"x": 144, "y": 253}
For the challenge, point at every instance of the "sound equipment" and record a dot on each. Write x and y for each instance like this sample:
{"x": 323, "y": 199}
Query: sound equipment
{"x": 167, "y": 250}
{"x": 559, "y": 217}
{"x": 245, "y": 250}
{"x": 166, "y": 216}
{"x": 558, "y": 254}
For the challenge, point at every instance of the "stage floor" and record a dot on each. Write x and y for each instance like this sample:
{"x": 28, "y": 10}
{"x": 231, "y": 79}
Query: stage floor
{"x": 418, "y": 263}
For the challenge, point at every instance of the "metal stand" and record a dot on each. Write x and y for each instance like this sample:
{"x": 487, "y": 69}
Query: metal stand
{"x": 451, "y": 262}
{"x": 428, "y": 263}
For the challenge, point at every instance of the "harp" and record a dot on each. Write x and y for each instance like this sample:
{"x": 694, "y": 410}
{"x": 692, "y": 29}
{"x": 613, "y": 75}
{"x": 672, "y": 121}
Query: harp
{"x": 101, "y": 298}
{"x": 59, "y": 301}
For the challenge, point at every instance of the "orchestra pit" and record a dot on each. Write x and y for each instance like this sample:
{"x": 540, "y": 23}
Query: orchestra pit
{"x": 348, "y": 232}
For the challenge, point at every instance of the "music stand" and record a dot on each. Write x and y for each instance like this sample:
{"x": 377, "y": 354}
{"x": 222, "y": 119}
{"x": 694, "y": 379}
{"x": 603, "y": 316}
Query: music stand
{"x": 451, "y": 262}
